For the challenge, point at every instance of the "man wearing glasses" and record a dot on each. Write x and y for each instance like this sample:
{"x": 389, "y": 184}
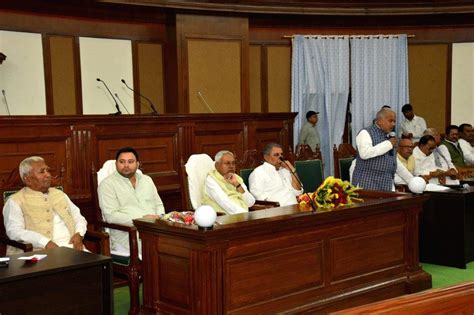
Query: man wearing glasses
{"x": 405, "y": 162}
{"x": 275, "y": 179}
{"x": 224, "y": 190}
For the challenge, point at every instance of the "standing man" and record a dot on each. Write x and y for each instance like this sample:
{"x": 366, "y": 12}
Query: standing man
{"x": 451, "y": 143}
{"x": 224, "y": 190}
{"x": 275, "y": 179}
{"x": 309, "y": 134}
{"x": 41, "y": 215}
{"x": 126, "y": 195}
{"x": 466, "y": 134}
{"x": 413, "y": 126}
{"x": 376, "y": 161}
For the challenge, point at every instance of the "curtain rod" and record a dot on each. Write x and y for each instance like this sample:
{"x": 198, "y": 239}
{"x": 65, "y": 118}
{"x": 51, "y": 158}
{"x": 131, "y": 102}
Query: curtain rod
{"x": 350, "y": 36}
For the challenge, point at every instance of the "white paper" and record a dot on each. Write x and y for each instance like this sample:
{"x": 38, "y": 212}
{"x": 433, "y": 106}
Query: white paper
{"x": 37, "y": 257}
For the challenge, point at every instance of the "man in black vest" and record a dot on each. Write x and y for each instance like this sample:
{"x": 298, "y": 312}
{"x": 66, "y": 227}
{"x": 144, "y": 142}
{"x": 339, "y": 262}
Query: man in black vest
{"x": 451, "y": 142}
{"x": 376, "y": 161}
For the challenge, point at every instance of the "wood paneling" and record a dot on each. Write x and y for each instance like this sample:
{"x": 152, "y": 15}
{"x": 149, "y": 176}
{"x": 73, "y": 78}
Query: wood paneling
{"x": 279, "y": 78}
{"x": 163, "y": 143}
{"x": 428, "y": 75}
{"x": 283, "y": 260}
{"x": 255, "y": 78}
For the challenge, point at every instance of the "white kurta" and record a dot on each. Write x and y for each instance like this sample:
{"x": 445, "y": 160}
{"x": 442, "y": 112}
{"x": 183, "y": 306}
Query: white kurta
{"x": 424, "y": 164}
{"x": 214, "y": 191}
{"x": 468, "y": 151}
{"x": 416, "y": 126}
{"x": 268, "y": 183}
{"x": 15, "y": 226}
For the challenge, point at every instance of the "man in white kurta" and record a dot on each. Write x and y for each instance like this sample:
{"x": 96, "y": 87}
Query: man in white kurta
{"x": 413, "y": 126}
{"x": 41, "y": 215}
{"x": 224, "y": 190}
{"x": 465, "y": 136}
{"x": 126, "y": 195}
{"x": 275, "y": 179}
{"x": 405, "y": 162}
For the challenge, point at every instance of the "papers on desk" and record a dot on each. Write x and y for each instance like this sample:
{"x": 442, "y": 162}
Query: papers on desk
{"x": 36, "y": 257}
{"x": 434, "y": 187}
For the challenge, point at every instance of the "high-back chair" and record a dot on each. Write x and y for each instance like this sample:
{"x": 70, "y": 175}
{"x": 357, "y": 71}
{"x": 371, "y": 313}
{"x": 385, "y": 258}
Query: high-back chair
{"x": 343, "y": 157}
{"x": 97, "y": 242}
{"x": 195, "y": 172}
{"x": 127, "y": 264}
{"x": 309, "y": 167}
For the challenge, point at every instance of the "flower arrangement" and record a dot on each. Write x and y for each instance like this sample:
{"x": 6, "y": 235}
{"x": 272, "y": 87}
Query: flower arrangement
{"x": 332, "y": 193}
{"x": 185, "y": 217}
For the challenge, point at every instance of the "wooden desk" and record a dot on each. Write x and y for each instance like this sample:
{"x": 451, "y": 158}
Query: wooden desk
{"x": 66, "y": 282}
{"x": 285, "y": 260}
{"x": 447, "y": 228}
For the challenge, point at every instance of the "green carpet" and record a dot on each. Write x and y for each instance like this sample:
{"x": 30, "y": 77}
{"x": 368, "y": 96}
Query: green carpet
{"x": 441, "y": 276}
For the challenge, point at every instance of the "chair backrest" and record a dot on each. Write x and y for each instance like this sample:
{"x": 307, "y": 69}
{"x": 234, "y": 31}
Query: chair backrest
{"x": 251, "y": 159}
{"x": 343, "y": 157}
{"x": 197, "y": 167}
{"x": 310, "y": 173}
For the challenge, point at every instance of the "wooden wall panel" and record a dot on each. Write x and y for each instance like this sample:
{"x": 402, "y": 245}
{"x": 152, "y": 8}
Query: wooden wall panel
{"x": 255, "y": 78}
{"x": 214, "y": 71}
{"x": 63, "y": 75}
{"x": 428, "y": 67}
{"x": 151, "y": 76}
{"x": 279, "y": 78}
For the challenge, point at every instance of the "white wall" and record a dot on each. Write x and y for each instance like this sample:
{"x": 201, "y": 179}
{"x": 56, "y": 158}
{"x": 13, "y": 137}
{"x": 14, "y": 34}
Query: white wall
{"x": 110, "y": 60}
{"x": 22, "y": 74}
{"x": 462, "y": 88}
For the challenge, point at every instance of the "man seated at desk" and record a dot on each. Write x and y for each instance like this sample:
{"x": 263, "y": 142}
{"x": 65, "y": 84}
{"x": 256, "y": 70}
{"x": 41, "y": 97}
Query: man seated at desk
{"x": 405, "y": 162}
{"x": 126, "y": 195}
{"x": 224, "y": 190}
{"x": 275, "y": 179}
{"x": 42, "y": 215}
{"x": 466, "y": 134}
{"x": 426, "y": 166}
{"x": 451, "y": 143}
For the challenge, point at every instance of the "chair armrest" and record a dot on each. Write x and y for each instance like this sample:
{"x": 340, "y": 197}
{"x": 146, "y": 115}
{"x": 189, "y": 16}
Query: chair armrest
{"x": 26, "y": 247}
{"x": 120, "y": 227}
{"x": 132, "y": 238}
{"x": 102, "y": 238}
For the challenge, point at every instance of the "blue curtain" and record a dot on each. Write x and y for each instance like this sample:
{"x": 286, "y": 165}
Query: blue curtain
{"x": 379, "y": 76}
{"x": 320, "y": 82}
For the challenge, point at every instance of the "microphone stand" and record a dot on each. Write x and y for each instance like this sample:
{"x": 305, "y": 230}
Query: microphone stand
{"x": 116, "y": 104}
{"x": 154, "y": 111}
{"x": 311, "y": 203}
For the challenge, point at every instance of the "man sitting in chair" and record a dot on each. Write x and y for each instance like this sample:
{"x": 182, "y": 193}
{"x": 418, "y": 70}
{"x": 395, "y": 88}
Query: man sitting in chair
{"x": 224, "y": 190}
{"x": 275, "y": 179}
{"x": 42, "y": 215}
{"x": 126, "y": 195}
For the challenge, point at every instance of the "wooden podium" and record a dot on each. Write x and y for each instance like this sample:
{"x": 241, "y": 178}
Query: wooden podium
{"x": 285, "y": 259}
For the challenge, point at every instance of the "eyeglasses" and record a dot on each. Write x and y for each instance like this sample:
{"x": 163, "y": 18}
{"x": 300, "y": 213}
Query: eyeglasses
{"x": 229, "y": 163}
{"x": 406, "y": 146}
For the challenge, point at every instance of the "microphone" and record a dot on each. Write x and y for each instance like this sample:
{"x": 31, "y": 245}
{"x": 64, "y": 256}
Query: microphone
{"x": 154, "y": 111}
{"x": 116, "y": 104}
{"x": 389, "y": 136}
{"x": 311, "y": 203}
{"x": 204, "y": 100}
{"x": 6, "y": 103}
{"x": 120, "y": 101}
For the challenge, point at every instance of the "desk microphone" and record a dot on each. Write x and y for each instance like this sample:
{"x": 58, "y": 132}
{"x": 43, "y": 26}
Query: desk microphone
{"x": 120, "y": 101}
{"x": 204, "y": 101}
{"x": 153, "y": 109}
{"x": 282, "y": 159}
{"x": 6, "y": 103}
{"x": 116, "y": 104}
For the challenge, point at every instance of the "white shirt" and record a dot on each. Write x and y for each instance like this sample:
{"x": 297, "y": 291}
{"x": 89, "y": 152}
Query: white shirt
{"x": 268, "y": 183}
{"x": 367, "y": 150}
{"x": 425, "y": 164}
{"x": 467, "y": 151}
{"x": 15, "y": 225}
{"x": 416, "y": 126}
{"x": 214, "y": 191}
{"x": 444, "y": 157}
{"x": 402, "y": 174}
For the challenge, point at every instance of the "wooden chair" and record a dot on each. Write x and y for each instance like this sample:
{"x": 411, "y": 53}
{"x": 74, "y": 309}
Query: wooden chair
{"x": 128, "y": 266}
{"x": 309, "y": 166}
{"x": 97, "y": 242}
{"x": 252, "y": 159}
{"x": 343, "y": 157}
